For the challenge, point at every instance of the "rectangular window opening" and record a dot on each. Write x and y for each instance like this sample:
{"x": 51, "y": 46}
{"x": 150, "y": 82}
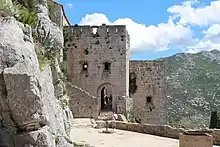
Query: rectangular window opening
{"x": 149, "y": 99}
{"x": 107, "y": 66}
{"x": 85, "y": 66}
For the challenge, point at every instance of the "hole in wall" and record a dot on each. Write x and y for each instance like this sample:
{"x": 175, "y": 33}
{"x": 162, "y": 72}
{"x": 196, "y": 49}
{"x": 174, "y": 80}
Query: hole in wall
{"x": 138, "y": 120}
{"x": 97, "y": 42}
{"x": 149, "y": 69}
{"x": 122, "y": 38}
{"x": 149, "y": 99}
{"x": 107, "y": 66}
{"x": 94, "y": 30}
{"x": 132, "y": 83}
{"x": 86, "y": 51}
{"x": 85, "y": 66}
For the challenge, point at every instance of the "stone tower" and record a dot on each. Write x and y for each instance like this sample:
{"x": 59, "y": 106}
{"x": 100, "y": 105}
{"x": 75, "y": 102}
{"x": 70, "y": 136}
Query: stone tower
{"x": 147, "y": 88}
{"x": 98, "y": 62}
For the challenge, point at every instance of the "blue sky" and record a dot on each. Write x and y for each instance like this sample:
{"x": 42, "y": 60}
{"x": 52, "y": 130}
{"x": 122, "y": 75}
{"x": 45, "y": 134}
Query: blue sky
{"x": 158, "y": 28}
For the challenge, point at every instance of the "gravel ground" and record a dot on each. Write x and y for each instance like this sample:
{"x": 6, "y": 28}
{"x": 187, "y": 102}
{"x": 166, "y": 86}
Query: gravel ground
{"x": 120, "y": 138}
{"x": 83, "y": 133}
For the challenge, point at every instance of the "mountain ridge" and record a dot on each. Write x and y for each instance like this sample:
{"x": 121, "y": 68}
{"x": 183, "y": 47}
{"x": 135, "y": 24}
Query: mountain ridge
{"x": 193, "y": 87}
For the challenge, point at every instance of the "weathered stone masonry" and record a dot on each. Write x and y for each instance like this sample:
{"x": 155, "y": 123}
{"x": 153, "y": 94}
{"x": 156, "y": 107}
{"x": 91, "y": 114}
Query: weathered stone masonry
{"x": 147, "y": 88}
{"x": 98, "y": 57}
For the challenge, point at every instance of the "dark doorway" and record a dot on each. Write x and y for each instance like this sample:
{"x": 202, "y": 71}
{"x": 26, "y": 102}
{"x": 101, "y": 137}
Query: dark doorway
{"x": 106, "y": 100}
{"x": 102, "y": 98}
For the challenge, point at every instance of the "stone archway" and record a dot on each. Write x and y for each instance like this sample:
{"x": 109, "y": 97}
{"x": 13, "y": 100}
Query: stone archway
{"x": 105, "y": 96}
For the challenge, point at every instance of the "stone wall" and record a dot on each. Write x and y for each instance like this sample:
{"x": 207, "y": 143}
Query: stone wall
{"x": 201, "y": 140}
{"x": 104, "y": 51}
{"x": 159, "y": 130}
{"x": 82, "y": 104}
{"x": 147, "y": 88}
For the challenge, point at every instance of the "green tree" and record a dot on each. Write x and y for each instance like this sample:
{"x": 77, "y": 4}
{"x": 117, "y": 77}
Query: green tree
{"x": 214, "y": 122}
{"x": 29, "y": 4}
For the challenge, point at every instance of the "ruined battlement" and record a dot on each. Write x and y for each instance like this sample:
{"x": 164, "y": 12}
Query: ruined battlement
{"x": 98, "y": 62}
{"x": 99, "y": 31}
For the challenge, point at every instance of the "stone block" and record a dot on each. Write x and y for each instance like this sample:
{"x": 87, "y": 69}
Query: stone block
{"x": 100, "y": 124}
{"x": 195, "y": 140}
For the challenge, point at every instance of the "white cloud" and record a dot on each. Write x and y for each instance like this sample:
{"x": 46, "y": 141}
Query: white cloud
{"x": 94, "y": 19}
{"x": 203, "y": 45}
{"x": 69, "y": 5}
{"x": 188, "y": 13}
{"x": 177, "y": 32}
{"x": 146, "y": 38}
{"x": 209, "y": 41}
{"x": 212, "y": 31}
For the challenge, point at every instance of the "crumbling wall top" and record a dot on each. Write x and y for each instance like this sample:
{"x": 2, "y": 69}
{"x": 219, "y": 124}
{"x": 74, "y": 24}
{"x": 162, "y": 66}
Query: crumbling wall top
{"x": 102, "y": 29}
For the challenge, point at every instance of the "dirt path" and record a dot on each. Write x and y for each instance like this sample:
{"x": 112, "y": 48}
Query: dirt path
{"x": 120, "y": 138}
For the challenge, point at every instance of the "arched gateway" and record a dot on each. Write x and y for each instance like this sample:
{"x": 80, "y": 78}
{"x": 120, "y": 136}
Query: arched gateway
{"x": 105, "y": 97}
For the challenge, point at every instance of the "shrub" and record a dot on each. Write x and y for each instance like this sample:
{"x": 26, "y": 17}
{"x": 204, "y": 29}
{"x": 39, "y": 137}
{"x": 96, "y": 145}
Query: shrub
{"x": 43, "y": 47}
{"x": 51, "y": 9}
{"x": 23, "y": 10}
{"x": 63, "y": 67}
{"x": 43, "y": 60}
{"x": 26, "y": 12}
{"x": 29, "y": 4}
{"x": 214, "y": 122}
{"x": 6, "y": 9}
{"x": 131, "y": 115}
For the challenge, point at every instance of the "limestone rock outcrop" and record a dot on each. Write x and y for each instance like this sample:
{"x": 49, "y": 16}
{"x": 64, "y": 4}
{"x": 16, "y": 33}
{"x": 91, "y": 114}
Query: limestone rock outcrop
{"x": 46, "y": 27}
{"x": 30, "y": 113}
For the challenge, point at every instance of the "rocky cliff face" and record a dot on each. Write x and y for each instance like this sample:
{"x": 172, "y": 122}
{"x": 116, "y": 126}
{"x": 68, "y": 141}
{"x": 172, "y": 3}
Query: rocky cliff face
{"x": 31, "y": 113}
{"x": 193, "y": 84}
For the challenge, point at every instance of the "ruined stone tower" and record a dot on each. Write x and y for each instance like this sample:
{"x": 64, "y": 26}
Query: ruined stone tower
{"x": 98, "y": 67}
{"x": 98, "y": 62}
{"x": 147, "y": 89}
